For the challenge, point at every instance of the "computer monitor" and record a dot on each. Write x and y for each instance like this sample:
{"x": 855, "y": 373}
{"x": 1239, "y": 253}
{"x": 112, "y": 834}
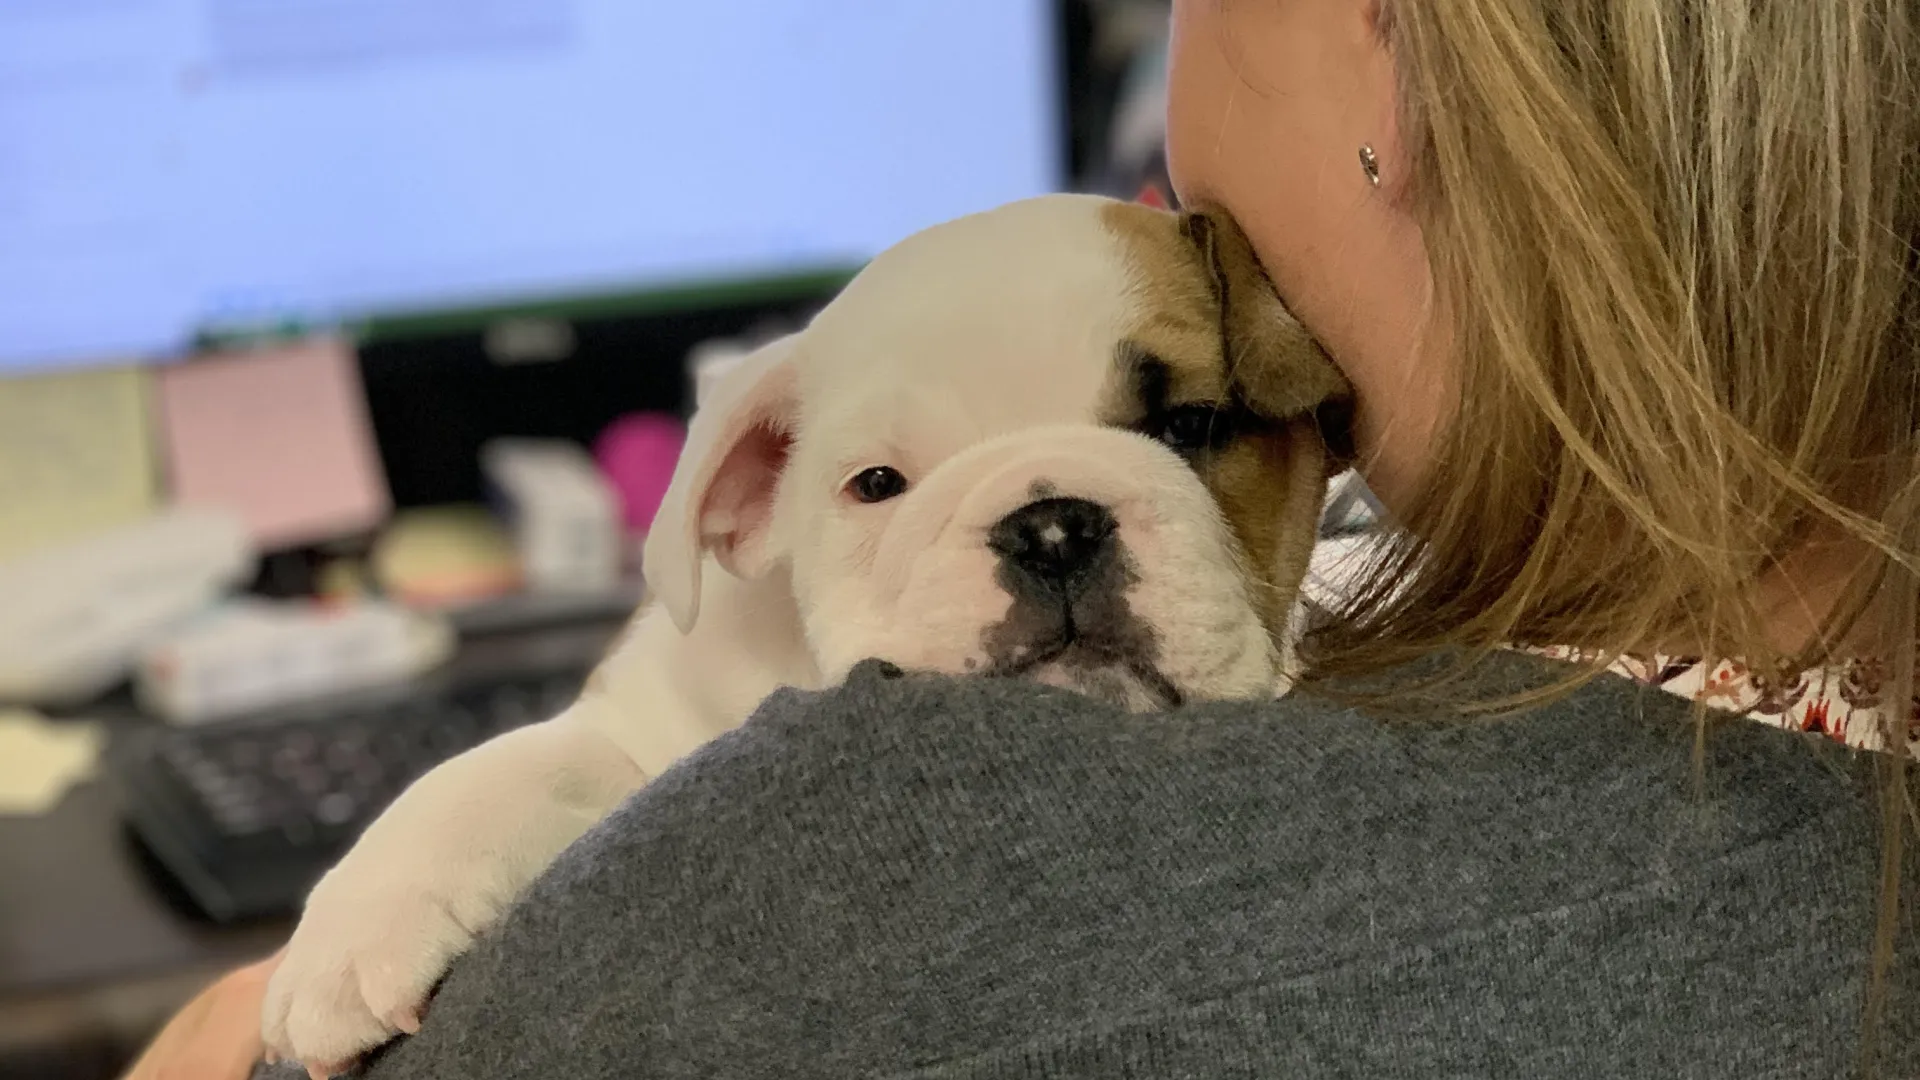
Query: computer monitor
{"x": 171, "y": 169}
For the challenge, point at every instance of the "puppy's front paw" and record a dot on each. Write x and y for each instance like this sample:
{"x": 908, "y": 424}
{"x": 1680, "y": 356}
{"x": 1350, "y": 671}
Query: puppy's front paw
{"x": 360, "y": 965}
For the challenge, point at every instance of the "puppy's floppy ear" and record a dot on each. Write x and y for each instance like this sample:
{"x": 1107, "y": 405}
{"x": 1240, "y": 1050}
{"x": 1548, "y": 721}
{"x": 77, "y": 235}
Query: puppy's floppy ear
{"x": 722, "y": 494}
{"x": 1276, "y": 366}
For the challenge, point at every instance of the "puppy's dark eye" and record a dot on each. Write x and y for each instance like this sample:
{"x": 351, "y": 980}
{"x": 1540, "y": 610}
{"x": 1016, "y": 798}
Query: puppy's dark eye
{"x": 1190, "y": 429}
{"x": 877, "y": 484}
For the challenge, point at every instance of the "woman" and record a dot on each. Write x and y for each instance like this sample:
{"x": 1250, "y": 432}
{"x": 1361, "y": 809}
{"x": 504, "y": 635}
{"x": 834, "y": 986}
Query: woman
{"x": 1624, "y": 287}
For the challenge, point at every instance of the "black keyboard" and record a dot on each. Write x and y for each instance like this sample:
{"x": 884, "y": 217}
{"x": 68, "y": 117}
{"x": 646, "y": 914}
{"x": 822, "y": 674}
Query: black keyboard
{"x": 246, "y": 816}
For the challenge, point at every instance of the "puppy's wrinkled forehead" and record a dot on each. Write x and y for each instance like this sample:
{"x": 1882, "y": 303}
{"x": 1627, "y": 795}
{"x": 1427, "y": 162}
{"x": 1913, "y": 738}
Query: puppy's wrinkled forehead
{"x": 1052, "y": 310}
{"x": 1068, "y": 309}
{"x": 995, "y": 322}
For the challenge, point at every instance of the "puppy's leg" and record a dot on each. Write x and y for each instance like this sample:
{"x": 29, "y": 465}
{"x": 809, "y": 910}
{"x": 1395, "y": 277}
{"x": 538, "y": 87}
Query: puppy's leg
{"x": 432, "y": 872}
{"x": 452, "y": 853}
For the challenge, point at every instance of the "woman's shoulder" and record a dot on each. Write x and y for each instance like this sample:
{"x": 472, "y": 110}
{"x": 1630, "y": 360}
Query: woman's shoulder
{"x": 888, "y": 746}
{"x": 911, "y": 854}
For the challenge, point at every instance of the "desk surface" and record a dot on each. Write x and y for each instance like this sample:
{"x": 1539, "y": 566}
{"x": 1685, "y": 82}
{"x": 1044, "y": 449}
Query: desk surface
{"x": 78, "y": 906}
{"x": 82, "y": 912}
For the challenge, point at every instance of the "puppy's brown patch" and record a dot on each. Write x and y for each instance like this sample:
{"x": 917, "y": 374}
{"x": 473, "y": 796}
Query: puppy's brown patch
{"x": 1270, "y": 487}
{"x": 1212, "y": 332}
{"x": 1177, "y": 317}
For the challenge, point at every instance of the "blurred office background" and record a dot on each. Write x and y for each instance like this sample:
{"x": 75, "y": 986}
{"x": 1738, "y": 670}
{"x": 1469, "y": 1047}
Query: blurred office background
{"x": 345, "y": 347}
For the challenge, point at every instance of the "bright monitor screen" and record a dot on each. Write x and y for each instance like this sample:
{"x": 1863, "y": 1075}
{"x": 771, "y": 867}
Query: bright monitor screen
{"x": 170, "y": 168}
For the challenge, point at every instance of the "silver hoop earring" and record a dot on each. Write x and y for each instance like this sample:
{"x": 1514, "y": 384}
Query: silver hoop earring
{"x": 1370, "y": 164}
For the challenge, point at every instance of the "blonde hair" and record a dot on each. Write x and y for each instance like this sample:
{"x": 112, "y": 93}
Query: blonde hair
{"x": 1673, "y": 243}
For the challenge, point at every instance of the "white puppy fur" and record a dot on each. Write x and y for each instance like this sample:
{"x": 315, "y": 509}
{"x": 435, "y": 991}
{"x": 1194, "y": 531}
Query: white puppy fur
{"x": 990, "y": 364}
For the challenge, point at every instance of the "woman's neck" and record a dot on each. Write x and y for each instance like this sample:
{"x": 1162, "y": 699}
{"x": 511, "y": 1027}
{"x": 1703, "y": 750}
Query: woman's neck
{"x": 1807, "y": 590}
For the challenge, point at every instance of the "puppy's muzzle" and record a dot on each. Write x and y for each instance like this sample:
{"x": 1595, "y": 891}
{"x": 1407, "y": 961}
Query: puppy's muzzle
{"x": 1056, "y": 547}
{"x": 1063, "y": 562}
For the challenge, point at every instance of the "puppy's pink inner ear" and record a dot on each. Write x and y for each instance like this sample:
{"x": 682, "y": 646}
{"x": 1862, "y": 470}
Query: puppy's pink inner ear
{"x": 739, "y": 507}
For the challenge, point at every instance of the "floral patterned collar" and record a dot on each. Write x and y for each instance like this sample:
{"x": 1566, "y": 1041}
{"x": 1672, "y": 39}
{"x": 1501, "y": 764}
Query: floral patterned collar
{"x": 1844, "y": 702}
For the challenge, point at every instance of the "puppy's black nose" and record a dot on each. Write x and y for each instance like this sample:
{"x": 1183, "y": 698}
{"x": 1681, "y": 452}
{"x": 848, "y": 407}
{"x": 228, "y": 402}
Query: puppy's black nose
{"x": 1054, "y": 539}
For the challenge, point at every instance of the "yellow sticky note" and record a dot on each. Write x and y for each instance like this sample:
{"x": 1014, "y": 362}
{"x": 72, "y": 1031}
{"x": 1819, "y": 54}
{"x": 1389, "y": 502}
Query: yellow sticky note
{"x": 40, "y": 761}
{"x": 76, "y": 455}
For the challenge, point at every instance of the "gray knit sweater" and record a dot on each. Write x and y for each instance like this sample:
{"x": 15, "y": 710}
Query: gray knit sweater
{"x": 924, "y": 878}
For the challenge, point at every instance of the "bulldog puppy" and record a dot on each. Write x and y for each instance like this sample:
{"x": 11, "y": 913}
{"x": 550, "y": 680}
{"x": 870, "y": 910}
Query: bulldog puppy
{"x": 1071, "y": 439}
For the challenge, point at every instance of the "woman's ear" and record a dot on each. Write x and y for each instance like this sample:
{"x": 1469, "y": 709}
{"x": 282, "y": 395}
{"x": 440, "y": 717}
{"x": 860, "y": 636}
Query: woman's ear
{"x": 1278, "y": 369}
{"x": 722, "y": 495}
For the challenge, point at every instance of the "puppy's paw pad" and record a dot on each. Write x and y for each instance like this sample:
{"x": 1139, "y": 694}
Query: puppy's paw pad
{"x": 345, "y": 988}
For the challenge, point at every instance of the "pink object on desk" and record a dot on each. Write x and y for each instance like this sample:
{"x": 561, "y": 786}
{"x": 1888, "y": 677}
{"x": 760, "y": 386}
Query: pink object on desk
{"x": 278, "y": 434}
{"x": 638, "y": 454}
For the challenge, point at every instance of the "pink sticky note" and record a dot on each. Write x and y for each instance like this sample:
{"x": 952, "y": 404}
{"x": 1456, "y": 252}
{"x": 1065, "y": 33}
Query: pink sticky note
{"x": 278, "y": 434}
